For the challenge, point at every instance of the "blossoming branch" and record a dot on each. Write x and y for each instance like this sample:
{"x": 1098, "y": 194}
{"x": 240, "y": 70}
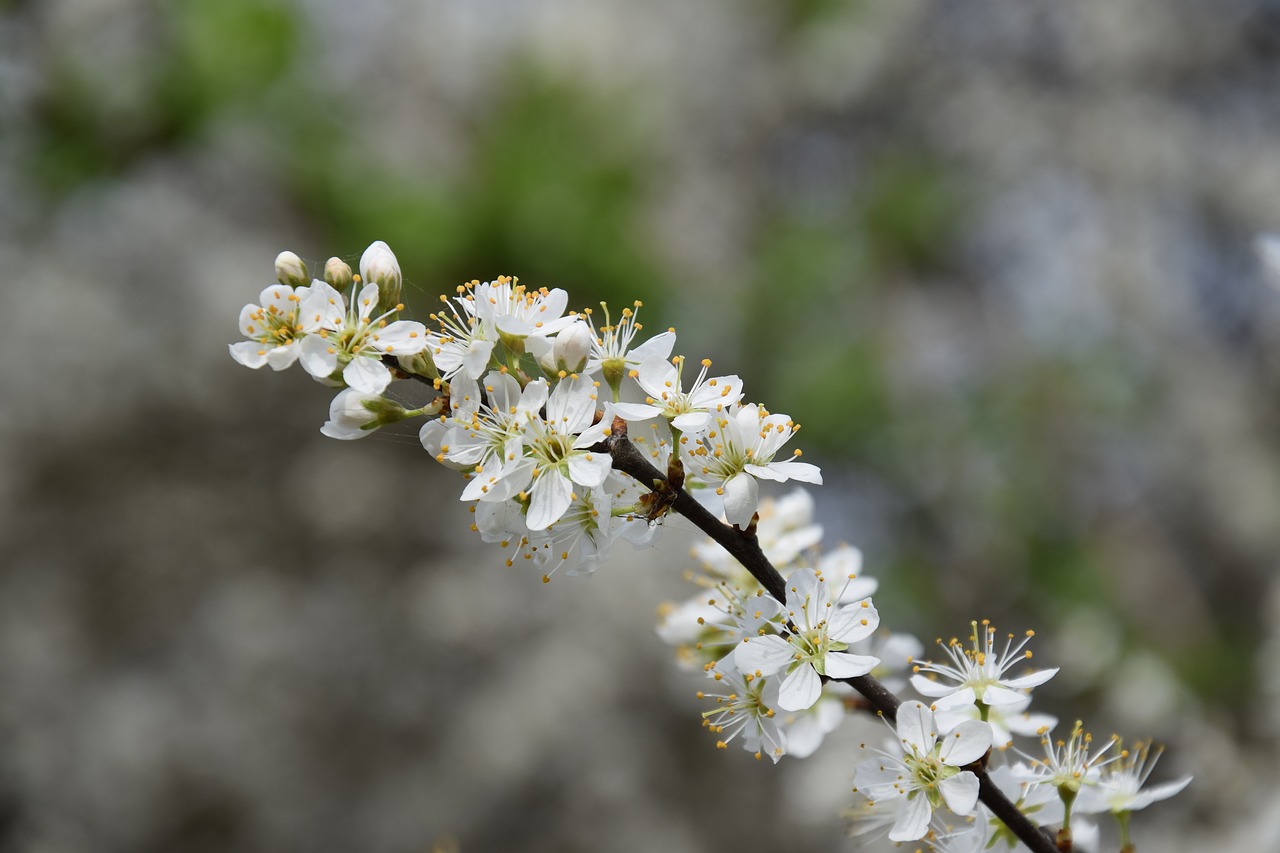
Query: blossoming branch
{"x": 574, "y": 430}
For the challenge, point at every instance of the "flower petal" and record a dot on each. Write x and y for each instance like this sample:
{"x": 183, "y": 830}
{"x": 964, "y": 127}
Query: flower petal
{"x": 800, "y": 689}
{"x": 961, "y": 697}
{"x": 317, "y": 358}
{"x": 367, "y": 374}
{"x": 741, "y": 499}
{"x": 635, "y": 412}
{"x": 802, "y": 471}
{"x": 960, "y": 792}
{"x": 926, "y": 686}
{"x": 282, "y": 356}
{"x": 765, "y": 655}
{"x": 969, "y": 742}
{"x": 854, "y": 622}
{"x": 916, "y": 727}
{"x": 659, "y": 347}
{"x": 1032, "y": 679}
{"x": 589, "y": 469}
{"x": 403, "y": 337}
{"x": 549, "y": 499}
{"x": 913, "y": 819}
{"x": 249, "y": 353}
{"x": 846, "y": 665}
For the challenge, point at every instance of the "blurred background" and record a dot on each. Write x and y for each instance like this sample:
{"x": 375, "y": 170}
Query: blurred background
{"x": 997, "y": 258}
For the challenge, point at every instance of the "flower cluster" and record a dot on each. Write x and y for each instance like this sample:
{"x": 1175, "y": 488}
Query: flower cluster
{"x": 526, "y": 394}
{"x": 978, "y": 702}
{"x": 794, "y": 652}
{"x": 537, "y": 406}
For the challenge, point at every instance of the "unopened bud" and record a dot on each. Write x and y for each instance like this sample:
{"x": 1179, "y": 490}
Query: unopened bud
{"x": 573, "y": 346}
{"x": 353, "y": 414}
{"x": 379, "y": 265}
{"x": 338, "y": 274}
{"x": 291, "y": 271}
{"x": 420, "y": 364}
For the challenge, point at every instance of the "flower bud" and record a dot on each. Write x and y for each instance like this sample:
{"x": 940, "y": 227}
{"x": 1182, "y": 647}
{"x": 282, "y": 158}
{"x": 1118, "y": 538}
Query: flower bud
{"x": 353, "y": 414}
{"x": 338, "y": 274}
{"x": 379, "y": 265}
{"x": 419, "y": 364}
{"x": 573, "y": 346}
{"x": 543, "y": 352}
{"x": 291, "y": 271}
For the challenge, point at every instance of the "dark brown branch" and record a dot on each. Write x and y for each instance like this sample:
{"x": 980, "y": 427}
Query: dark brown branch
{"x": 743, "y": 546}
{"x": 400, "y": 373}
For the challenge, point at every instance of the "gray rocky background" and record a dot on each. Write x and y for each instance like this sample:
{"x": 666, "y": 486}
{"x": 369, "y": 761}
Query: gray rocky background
{"x": 996, "y": 256}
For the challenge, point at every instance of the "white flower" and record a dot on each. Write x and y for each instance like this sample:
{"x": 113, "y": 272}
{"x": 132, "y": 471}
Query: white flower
{"x": 708, "y": 628}
{"x": 742, "y": 449}
{"x": 274, "y": 328}
{"x": 819, "y": 632}
{"x": 353, "y": 340}
{"x": 978, "y": 674}
{"x": 1068, "y": 764}
{"x": 338, "y": 273}
{"x": 578, "y": 542}
{"x": 927, "y": 774}
{"x": 1120, "y": 788}
{"x": 686, "y": 624}
{"x": 462, "y": 345}
{"x": 689, "y": 411}
{"x": 512, "y": 311}
{"x": 558, "y": 453}
{"x": 484, "y": 438}
{"x": 745, "y": 709}
{"x": 612, "y": 354}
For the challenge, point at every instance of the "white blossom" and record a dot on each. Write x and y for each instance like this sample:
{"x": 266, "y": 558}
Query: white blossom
{"x": 819, "y": 632}
{"x": 739, "y": 448}
{"x": 1122, "y": 787}
{"x": 557, "y": 453}
{"x": 354, "y": 341}
{"x": 978, "y": 674}
{"x": 689, "y": 411}
{"x": 612, "y": 355}
{"x": 274, "y": 327}
{"x": 509, "y": 309}
{"x": 926, "y": 773}
{"x": 291, "y": 271}
{"x": 480, "y": 437}
{"x": 1068, "y": 765}
{"x": 745, "y": 707}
